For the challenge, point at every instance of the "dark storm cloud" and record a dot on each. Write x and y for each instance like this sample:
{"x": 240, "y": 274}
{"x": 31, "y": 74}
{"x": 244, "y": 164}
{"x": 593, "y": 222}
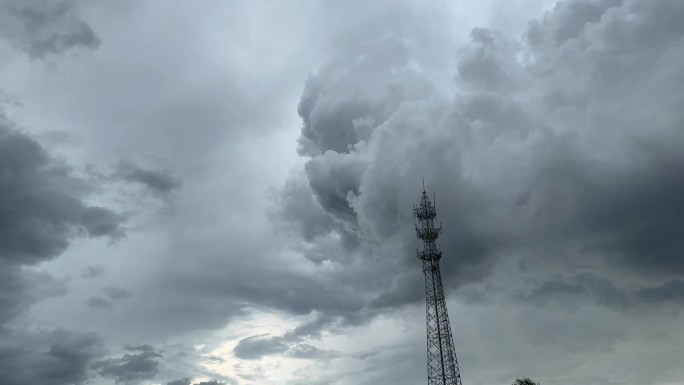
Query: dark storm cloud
{"x": 561, "y": 147}
{"x": 57, "y": 357}
{"x": 297, "y": 212}
{"x": 140, "y": 363}
{"x": 41, "y": 211}
{"x": 160, "y": 182}
{"x": 333, "y": 178}
{"x": 296, "y": 202}
{"x": 20, "y": 288}
{"x": 41, "y": 28}
{"x": 42, "y": 208}
{"x": 582, "y": 287}
{"x": 346, "y": 100}
{"x": 669, "y": 291}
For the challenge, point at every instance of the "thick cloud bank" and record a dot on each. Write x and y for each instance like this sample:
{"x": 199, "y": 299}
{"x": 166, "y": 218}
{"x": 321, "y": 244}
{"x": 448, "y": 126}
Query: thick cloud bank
{"x": 560, "y": 150}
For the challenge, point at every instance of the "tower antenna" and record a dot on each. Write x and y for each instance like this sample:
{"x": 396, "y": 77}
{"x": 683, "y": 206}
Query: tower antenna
{"x": 442, "y": 366}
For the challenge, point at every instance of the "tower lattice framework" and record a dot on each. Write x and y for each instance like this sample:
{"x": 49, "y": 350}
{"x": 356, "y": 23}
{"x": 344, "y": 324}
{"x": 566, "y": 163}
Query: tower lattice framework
{"x": 442, "y": 366}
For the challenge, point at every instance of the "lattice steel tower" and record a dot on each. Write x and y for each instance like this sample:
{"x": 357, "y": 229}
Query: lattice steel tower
{"x": 442, "y": 366}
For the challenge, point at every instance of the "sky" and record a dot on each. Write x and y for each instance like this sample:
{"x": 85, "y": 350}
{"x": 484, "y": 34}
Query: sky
{"x": 220, "y": 192}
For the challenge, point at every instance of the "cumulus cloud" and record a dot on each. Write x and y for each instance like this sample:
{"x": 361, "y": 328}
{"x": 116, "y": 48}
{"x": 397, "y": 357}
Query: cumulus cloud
{"x": 558, "y": 149}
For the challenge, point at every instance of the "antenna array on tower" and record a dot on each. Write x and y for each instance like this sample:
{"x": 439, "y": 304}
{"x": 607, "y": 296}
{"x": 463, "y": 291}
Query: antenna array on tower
{"x": 442, "y": 366}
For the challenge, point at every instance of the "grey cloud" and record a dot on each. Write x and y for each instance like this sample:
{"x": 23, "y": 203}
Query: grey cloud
{"x": 295, "y": 208}
{"x": 99, "y": 303}
{"x": 141, "y": 363}
{"x": 296, "y": 211}
{"x": 180, "y": 381}
{"x": 112, "y": 294}
{"x": 213, "y": 359}
{"x": 290, "y": 345}
{"x": 43, "y": 208}
{"x": 21, "y": 287}
{"x": 57, "y": 357}
{"x": 669, "y": 291}
{"x": 294, "y": 342}
{"x": 568, "y": 20}
{"x": 406, "y": 287}
{"x": 307, "y": 351}
{"x": 159, "y": 182}
{"x": 346, "y": 100}
{"x": 485, "y": 65}
{"x": 117, "y": 293}
{"x": 229, "y": 284}
{"x": 42, "y": 28}
{"x": 581, "y": 287}
{"x": 188, "y": 381}
{"x": 255, "y": 347}
{"x": 547, "y": 148}
{"x": 93, "y": 272}
{"x": 99, "y": 221}
{"x": 550, "y": 148}
{"x": 335, "y": 178}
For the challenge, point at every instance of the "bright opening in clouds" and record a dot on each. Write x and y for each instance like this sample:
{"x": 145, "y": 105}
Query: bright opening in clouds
{"x": 207, "y": 192}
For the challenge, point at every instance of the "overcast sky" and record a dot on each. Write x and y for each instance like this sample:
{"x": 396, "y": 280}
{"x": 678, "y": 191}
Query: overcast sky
{"x": 220, "y": 192}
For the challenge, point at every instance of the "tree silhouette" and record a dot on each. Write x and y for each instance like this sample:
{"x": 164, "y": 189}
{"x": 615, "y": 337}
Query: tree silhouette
{"x": 525, "y": 381}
